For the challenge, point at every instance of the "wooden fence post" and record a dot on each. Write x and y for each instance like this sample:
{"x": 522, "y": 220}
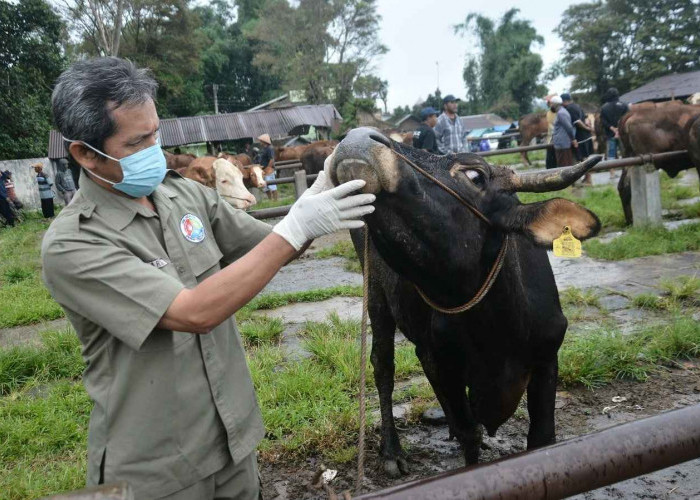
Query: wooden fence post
{"x": 646, "y": 195}
{"x": 300, "y": 182}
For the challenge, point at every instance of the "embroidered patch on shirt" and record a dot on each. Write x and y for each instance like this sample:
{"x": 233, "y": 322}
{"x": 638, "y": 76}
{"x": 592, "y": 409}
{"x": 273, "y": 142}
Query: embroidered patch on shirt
{"x": 192, "y": 228}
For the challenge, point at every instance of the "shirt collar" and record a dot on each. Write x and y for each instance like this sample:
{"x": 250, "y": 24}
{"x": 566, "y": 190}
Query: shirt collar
{"x": 119, "y": 210}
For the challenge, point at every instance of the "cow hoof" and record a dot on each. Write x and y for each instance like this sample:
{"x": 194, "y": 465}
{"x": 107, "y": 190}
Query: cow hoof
{"x": 395, "y": 467}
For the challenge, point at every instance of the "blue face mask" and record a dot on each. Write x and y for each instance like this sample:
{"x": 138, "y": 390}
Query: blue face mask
{"x": 142, "y": 171}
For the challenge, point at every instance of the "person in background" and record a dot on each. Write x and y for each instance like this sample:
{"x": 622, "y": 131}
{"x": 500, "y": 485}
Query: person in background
{"x": 564, "y": 134}
{"x": 10, "y": 187}
{"x": 424, "y": 136}
{"x": 64, "y": 181}
{"x": 583, "y": 132}
{"x": 550, "y": 159}
{"x": 610, "y": 115}
{"x": 5, "y": 209}
{"x": 45, "y": 191}
{"x": 266, "y": 158}
{"x": 449, "y": 131}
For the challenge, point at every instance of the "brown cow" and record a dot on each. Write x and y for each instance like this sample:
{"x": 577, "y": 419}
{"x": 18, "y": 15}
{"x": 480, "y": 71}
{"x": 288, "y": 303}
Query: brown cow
{"x": 531, "y": 126}
{"x": 179, "y": 161}
{"x": 252, "y": 174}
{"x": 655, "y": 128}
{"x": 599, "y": 133}
{"x": 289, "y": 153}
{"x": 312, "y": 159}
{"x": 222, "y": 175}
{"x": 241, "y": 158}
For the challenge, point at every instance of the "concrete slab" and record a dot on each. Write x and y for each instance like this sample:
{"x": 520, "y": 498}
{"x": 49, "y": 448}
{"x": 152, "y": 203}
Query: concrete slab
{"x": 346, "y": 307}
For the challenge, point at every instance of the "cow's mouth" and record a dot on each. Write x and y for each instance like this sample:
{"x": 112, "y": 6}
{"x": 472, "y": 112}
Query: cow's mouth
{"x": 354, "y": 168}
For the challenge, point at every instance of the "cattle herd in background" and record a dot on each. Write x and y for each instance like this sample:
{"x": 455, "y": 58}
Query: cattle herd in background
{"x": 647, "y": 128}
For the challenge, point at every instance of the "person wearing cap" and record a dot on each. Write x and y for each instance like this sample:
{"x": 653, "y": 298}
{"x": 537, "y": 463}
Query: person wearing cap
{"x": 266, "y": 158}
{"x": 449, "y": 130}
{"x": 10, "y": 187}
{"x": 45, "y": 191}
{"x": 610, "y": 115}
{"x": 150, "y": 268}
{"x": 583, "y": 130}
{"x": 564, "y": 134}
{"x": 424, "y": 135}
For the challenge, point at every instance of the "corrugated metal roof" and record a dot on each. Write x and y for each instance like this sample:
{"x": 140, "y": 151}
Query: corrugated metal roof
{"x": 473, "y": 122}
{"x": 678, "y": 85}
{"x": 277, "y": 122}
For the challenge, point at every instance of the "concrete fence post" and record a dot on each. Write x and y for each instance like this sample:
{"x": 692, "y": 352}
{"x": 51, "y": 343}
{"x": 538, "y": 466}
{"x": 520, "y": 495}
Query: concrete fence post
{"x": 300, "y": 182}
{"x": 646, "y": 195}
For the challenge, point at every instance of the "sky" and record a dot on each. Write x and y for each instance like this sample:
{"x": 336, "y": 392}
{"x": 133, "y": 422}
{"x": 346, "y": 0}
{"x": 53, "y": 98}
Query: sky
{"x": 420, "y": 32}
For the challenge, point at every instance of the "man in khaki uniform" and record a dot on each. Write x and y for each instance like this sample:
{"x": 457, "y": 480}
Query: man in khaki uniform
{"x": 150, "y": 268}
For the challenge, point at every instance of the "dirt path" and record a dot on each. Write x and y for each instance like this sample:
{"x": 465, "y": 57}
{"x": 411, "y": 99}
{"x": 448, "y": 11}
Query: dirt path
{"x": 579, "y": 411}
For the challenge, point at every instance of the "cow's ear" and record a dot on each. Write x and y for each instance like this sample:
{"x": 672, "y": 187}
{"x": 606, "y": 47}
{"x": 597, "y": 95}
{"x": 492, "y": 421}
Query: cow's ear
{"x": 544, "y": 221}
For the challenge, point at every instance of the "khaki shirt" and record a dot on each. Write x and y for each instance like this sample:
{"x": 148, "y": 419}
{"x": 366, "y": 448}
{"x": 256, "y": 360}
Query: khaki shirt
{"x": 169, "y": 407}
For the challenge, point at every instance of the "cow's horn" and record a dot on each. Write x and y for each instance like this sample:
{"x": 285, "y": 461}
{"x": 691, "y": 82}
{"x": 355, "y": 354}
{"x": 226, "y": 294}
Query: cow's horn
{"x": 553, "y": 179}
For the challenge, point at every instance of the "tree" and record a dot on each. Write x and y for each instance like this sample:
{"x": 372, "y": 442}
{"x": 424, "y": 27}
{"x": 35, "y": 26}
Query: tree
{"x": 620, "y": 44}
{"x": 31, "y": 58}
{"x": 372, "y": 87}
{"x": 399, "y": 112}
{"x": 319, "y": 46}
{"x": 227, "y": 60}
{"x": 98, "y": 21}
{"x": 503, "y": 77}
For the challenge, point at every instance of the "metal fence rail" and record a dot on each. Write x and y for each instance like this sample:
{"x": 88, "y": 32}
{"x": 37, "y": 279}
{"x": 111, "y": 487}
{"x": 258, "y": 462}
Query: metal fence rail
{"x": 570, "y": 467}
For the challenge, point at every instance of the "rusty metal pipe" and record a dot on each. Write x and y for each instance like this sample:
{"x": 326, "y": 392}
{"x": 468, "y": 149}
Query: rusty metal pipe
{"x": 570, "y": 467}
{"x": 624, "y": 162}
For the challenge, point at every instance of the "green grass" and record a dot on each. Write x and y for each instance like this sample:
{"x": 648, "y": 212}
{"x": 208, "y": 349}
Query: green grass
{"x": 343, "y": 249}
{"x": 576, "y": 297}
{"x": 44, "y": 440}
{"x": 58, "y": 357}
{"x": 639, "y": 242}
{"x": 261, "y": 329}
{"x": 682, "y": 288}
{"x": 23, "y": 297}
{"x": 514, "y": 158}
{"x": 597, "y": 358}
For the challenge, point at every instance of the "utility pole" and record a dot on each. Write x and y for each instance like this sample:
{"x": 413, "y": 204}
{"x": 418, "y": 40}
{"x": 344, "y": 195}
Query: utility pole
{"x": 437, "y": 64}
{"x": 215, "y": 88}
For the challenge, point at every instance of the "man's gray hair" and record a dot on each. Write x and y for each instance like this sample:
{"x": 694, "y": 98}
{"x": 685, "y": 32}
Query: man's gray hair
{"x": 87, "y": 92}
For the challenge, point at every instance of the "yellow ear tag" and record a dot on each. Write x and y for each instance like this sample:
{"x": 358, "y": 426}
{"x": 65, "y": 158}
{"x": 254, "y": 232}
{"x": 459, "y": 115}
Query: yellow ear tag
{"x": 567, "y": 245}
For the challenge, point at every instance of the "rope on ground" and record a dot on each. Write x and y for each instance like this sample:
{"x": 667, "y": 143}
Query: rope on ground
{"x": 363, "y": 367}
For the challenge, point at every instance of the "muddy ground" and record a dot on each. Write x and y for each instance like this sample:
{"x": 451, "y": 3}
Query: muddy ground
{"x": 579, "y": 411}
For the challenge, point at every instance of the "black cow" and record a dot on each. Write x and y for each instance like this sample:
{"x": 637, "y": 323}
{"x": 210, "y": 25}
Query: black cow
{"x": 422, "y": 237}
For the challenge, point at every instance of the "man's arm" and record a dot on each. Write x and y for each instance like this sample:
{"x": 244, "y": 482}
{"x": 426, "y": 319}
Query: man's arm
{"x": 429, "y": 141}
{"x": 202, "y": 308}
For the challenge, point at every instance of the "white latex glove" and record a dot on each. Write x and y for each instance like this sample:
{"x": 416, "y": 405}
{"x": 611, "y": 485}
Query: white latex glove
{"x": 319, "y": 211}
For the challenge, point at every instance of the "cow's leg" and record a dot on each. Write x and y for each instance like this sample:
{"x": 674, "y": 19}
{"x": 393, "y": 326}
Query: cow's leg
{"x": 444, "y": 366}
{"x": 541, "y": 395}
{"x": 382, "y": 357}
{"x": 624, "y": 188}
{"x": 524, "y": 158}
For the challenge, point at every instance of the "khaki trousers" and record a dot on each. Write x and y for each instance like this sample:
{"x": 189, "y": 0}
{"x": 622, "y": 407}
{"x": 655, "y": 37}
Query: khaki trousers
{"x": 233, "y": 482}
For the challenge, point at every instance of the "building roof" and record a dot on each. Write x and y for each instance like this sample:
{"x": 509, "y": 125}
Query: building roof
{"x": 485, "y": 120}
{"x": 406, "y": 118}
{"x": 280, "y": 122}
{"x": 677, "y": 85}
{"x": 265, "y": 105}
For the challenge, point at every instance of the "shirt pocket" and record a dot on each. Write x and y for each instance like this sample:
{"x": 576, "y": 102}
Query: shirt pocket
{"x": 204, "y": 259}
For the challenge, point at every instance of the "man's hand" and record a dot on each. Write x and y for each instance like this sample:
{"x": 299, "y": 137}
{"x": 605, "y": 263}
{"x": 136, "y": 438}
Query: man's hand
{"x": 319, "y": 211}
{"x": 574, "y": 143}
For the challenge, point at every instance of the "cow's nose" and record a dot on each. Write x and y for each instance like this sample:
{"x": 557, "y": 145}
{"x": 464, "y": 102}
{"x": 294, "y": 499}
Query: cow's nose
{"x": 251, "y": 199}
{"x": 357, "y": 144}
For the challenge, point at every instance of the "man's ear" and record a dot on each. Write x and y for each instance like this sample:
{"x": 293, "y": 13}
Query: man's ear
{"x": 544, "y": 221}
{"x": 84, "y": 156}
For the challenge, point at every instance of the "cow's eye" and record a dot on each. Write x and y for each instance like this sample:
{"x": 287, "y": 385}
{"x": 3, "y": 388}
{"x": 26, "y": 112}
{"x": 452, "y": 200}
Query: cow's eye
{"x": 476, "y": 176}
{"x": 224, "y": 181}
